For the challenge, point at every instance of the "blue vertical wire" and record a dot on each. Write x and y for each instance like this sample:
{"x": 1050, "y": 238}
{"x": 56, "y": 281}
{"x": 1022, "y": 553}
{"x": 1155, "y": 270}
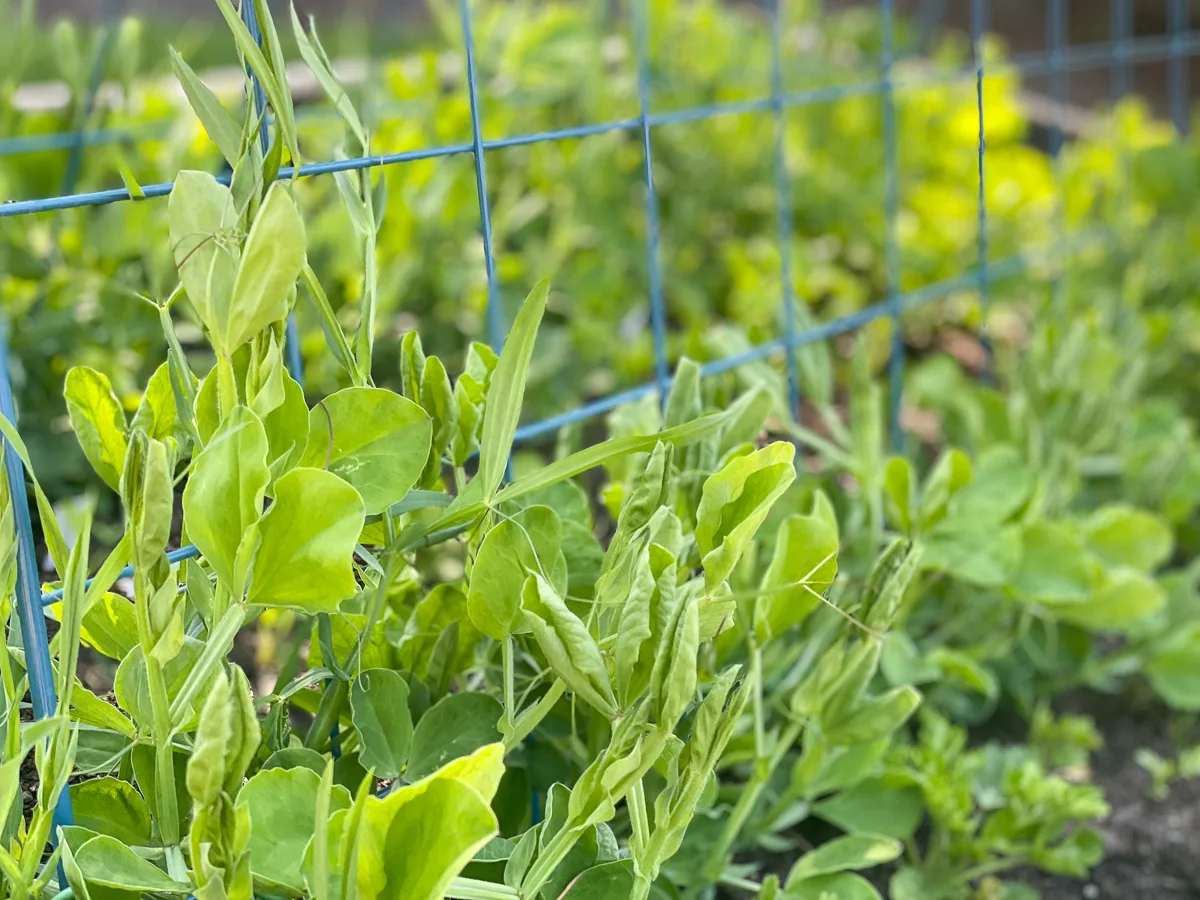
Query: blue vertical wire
{"x": 1056, "y": 26}
{"x": 978, "y": 26}
{"x": 75, "y": 158}
{"x": 293, "y": 358}
{"x": 28, "y": 587}
{"x": 891, "y": 238}
{"x": 658, "y": 312}
{"x": 783, "y": 198}
{"x": 1122, "y": 71}
{"x": 1178, "y": 25}
{"x": 495, "y": 315}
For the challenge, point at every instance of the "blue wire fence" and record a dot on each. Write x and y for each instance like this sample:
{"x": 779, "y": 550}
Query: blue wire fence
{"x": 1118, "y": 55}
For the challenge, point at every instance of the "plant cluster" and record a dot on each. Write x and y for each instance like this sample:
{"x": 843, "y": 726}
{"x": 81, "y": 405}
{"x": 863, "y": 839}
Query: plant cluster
{"x": 652, "y": 666}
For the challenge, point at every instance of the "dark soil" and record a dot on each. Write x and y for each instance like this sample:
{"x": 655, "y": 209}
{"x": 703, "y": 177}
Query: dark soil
{"x": 1153, "y": 847}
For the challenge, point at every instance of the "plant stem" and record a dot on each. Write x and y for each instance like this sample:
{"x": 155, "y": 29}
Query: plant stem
{"x": 327, "y": 715}
{"x": 547, "y": 861}
{"x": 473, "y": 889}
{"x": 532, "y": 717}
{"x": 510, "y": 704}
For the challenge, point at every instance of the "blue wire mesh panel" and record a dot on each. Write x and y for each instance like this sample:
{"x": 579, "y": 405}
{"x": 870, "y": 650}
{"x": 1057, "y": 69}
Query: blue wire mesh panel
{"x": 1119, "y": 54}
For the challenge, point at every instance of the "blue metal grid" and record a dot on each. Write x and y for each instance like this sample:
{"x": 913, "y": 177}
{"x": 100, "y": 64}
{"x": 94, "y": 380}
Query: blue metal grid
{"x": 1119, "y": 54}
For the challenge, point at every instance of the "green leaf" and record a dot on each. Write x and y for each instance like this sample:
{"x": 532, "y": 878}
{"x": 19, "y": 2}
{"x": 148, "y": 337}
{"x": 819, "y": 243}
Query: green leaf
{"x": 898, "y": 493}
{"x": 305, "y": 560}
{"x": 950, "y": 474}
{"x": 567, "y": 644}
{"x": 156, "y": 415}
{"x": 379, "y": 708}
{"x": 441, "y": 821}
{"x": 106, "y": 862}
{"x": 874, "y": 806}
{"x": 314, "y": 57}
{"x": 842, "y": 886}
{"x": 1055, "y": 566}
{"x": 133, "y": 689}
{"x": 98, "y": 421}
{"x": 218, "y": 122}
{"x": 1172, "y": 670}
{"x": 734, "y": 503}
{"x": 296, "y": 758}
{"x": 201, "y": 218}
{"x": 113, "y": 807}
{"x": 374, "y": 439}
{"x": 978, "y": 553}
{"x": 271, "y": 261}
{"x": 607, "y": 881}
{"x": 1000, "y": 486}
{"x": 279, "y": 101}
{"x": 803, "y": 567}
{"x": 1125, "y": 598}
{"x": 507, "y": 390}
{"x": 224, "y": 495}
{"x": 455, "y": 726}
{"x": 526, "y": 542}
{"x": 1124, "y": 536}
{"x": 858, "y": 851}
{"x": 282, "y": 804}
{"x": 875, "y": 718}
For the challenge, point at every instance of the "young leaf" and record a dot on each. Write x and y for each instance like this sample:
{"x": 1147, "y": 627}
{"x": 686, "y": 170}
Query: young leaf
{"x": 112, "y": 806}
{"x": 374, "y": 439}
{"x": 201, "y": 216}
{"x": 454, "y": 727}
{"x": 218, "y": 122}
{"x": 734, "y": 503}
{"x": 308, "y": 537}
{"x": 106, "y": 862}
{"x": 98, "y": 420}
{"x": 271, "y": 261}
{"x": 379, "y": 709}
{"x": 224, "y": 495}
{"x": 503, "y": 409}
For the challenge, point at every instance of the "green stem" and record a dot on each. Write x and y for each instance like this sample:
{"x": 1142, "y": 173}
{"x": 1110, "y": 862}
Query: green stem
{"x": 532, "y": 717}
{"x": 547, "y": 861}
{"x": 473, "y": 889}
{"x": 335, "y": 695}
{"x": 226, "y": 386}
{"x": 510, "y": 703}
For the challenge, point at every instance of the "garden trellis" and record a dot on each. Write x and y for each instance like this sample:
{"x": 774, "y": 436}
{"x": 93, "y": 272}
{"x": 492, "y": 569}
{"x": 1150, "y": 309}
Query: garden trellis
{"x": 1120, "y": 54}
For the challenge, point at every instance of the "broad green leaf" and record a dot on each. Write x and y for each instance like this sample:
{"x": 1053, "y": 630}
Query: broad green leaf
{"x": 734, "y": 503}
{"x": 841, "y": 886}
{"x": 106, "y": 862}
{"x": 282, "y": 804}
{"x": 803, "y": 567}
{"x": 1172, "y": 668}
{"x": 287, "y": 427}
{"x": 567, "y": 644}
{"x": 145, "y": 773}
{"x": 1000, "y": 486}
{"x": 201, "y": 218}
{"x": 271, "y": 262}
{"x": 98, "y": 421}
{"x": 308, "y": 537}
{"x": 857, "y": 851}
{"x": 1124, "y": 536}
{"x": 980, "y": 553}
{"x": 374, "y": 653}
{"x": 88, "y": 709}
{"x": 224, "y": 494}
{"x": 156, "y": 414}
{"x": 874, "y": 806}
{"x": 1125, "y": 597}
{"x": 148, "y": 495}
{"x": 455, "y": 726}
{"x": 314, "y": 57}
{"x": 379, "y": 708}
{"x": 507, "y": 390}
{"x": 114, "y": 807}
{"x": 218, "y": 122}
{"x": 442, "y": 820}
{"x": 296, "y": 758}
{"x": 875, "y": 718}
{"x": 374, "y": 439}
{"x": 606, "y": 881}
{"x": 1055, "y": 566}
{"x": 527, "y": 542}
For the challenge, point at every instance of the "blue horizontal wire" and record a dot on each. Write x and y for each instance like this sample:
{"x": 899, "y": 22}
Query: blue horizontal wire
{"x": 1005, "y": 268}
{"x": 175, "y": 556}
{"x": 1099, "y": 56}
